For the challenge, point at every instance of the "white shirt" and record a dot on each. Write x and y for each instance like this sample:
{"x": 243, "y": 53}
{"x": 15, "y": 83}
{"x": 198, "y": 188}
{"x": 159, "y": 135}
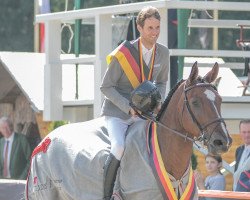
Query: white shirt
{"x": 146, "y": 53}
{"x": 244, "y": 155}
{"x": 10, "y": 139}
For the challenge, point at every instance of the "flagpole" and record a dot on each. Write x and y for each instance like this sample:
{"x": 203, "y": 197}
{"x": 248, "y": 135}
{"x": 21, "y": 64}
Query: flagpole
{"x": 77, "y": 42}
{"x": 36, "y": 27}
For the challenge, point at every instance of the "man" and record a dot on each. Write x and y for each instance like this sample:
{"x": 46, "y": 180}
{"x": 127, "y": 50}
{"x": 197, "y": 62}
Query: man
{"x": 129, "y": 65}
{"x": 15, "y": 152}
{"x": 242, "y": 155}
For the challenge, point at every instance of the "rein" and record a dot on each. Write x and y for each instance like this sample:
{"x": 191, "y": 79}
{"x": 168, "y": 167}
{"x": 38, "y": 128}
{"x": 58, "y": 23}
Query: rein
{"x": 186, "y": 137}
{"x": 202, "y": 137}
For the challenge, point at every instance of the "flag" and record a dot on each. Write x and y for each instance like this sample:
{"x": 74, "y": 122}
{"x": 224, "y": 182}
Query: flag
{"x": 44, "y": 7}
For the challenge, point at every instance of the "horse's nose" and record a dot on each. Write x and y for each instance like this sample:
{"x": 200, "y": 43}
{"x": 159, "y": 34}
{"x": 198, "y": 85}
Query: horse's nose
{"x": 220, "y": 143}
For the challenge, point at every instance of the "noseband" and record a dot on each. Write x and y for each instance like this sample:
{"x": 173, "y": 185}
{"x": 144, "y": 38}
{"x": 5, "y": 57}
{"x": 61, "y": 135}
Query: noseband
{"x": 202, "y": 128}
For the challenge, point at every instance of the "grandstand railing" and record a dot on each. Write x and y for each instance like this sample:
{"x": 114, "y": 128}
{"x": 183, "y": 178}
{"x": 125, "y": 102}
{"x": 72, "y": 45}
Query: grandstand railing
{"x": 223, "y": 195}
{"x": 102, "y": 18}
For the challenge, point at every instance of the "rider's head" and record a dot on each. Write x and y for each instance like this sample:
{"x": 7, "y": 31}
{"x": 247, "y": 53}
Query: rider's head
{"x": 146, "y": 98}
{"x": 145, "y": 13}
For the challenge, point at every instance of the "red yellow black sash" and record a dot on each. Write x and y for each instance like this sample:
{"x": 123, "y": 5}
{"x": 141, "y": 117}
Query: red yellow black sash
{"x": 161, "y": 174}
{"x": 130, "y": 60}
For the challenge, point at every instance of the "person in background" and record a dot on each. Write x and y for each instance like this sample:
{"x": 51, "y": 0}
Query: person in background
{"x": 15, "y": 152}
{"x": 129, "y": 65}
{"x": 215, "y": 180}
{"x": 242, "y": 154}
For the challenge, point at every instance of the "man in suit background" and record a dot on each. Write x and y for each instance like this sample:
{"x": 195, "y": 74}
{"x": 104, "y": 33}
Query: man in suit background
{"x": 15, "y": 152}
{"x": 242, "y": 154}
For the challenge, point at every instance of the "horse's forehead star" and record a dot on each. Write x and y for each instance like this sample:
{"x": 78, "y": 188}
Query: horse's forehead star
{"x": 210, "y": 95}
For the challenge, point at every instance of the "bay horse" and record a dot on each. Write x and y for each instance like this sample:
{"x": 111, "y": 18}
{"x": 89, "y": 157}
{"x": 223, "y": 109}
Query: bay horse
{"x": 68, "y": 163}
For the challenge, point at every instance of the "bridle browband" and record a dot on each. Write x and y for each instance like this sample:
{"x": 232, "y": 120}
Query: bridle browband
{"x": 201, "y": 137}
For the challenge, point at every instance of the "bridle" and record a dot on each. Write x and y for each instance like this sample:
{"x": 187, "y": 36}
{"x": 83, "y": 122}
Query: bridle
{"x": 202, "y": 128}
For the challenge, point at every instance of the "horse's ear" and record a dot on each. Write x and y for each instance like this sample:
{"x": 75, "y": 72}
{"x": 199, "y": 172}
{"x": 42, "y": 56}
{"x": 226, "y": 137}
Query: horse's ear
{"x": 217, "y": 82}
{"x": 212, "y": 74}
{"x": 193, "y": 75}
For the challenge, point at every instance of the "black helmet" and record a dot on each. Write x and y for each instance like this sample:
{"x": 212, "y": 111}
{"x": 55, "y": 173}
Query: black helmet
{"x": 145, "y": 98}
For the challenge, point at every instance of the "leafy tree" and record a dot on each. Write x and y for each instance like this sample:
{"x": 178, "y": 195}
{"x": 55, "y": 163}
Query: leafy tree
{"x": 56, "y": 124}
{"x": 194, "y": 161}
{"x": 16, "y": 31}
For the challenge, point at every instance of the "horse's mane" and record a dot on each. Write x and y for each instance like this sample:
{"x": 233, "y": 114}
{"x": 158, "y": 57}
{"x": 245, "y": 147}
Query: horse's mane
{"x": 167, "y": 100}
{"x": 172, "y": 91}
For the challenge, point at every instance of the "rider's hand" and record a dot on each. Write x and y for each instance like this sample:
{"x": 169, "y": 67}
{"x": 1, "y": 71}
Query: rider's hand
{"x": 157, "y": 109}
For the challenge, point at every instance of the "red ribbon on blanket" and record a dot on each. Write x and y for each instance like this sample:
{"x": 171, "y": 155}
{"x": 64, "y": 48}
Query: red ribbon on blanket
{"x": 42, "y": 147}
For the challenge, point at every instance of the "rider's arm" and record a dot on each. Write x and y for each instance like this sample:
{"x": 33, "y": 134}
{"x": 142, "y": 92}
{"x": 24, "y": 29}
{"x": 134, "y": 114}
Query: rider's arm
{"x": 116, "y": 87}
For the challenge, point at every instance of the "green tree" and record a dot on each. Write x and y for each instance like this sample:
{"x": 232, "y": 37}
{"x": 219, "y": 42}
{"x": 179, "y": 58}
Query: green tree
{"x": 16, "y": 31}
{"x": 56, "y": 124}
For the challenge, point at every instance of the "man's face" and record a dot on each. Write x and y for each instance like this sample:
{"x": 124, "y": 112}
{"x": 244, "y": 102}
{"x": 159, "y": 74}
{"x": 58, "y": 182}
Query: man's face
{"x": 149, "y": 32}
{"x": 245, "y": 133}
{"x": 5, "y": 130}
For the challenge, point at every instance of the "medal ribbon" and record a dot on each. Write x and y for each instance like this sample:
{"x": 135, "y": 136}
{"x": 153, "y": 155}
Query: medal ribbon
{"x": 142, "y": 67}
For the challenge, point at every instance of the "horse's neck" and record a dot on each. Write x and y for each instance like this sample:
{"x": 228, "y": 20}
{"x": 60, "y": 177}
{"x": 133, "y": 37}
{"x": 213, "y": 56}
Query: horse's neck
{"x": 176, "y": 153}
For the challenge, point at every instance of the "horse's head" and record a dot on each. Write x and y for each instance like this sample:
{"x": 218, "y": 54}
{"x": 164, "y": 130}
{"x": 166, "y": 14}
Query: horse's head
{"x": 201, "y": 111}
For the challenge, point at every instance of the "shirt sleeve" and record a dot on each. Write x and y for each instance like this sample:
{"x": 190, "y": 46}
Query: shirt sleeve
{"x": 110, "y": 83}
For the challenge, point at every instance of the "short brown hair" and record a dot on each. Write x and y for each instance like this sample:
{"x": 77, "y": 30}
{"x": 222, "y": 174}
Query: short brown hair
{"x": 146, "y": 13}
{"x": 244, "y": 121}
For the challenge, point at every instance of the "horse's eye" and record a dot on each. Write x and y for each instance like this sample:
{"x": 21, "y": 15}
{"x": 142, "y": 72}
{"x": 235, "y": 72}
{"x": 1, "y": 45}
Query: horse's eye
{"x": 195, "y": 103}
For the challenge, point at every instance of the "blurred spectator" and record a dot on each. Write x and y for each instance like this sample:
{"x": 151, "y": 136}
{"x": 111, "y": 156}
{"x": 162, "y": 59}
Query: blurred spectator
{"x": 15, "y": 152}
{"x": 242, "y": 157}
{"x": 215, "y": 180}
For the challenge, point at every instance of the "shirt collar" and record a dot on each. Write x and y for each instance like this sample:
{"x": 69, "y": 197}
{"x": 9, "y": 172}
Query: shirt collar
{"x": 11, "y": 138}
{"x": 145, "y": 50}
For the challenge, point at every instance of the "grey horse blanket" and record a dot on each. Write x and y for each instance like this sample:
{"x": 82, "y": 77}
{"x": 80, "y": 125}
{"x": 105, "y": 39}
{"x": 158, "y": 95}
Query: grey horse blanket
{"x": 68, "y": 165}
